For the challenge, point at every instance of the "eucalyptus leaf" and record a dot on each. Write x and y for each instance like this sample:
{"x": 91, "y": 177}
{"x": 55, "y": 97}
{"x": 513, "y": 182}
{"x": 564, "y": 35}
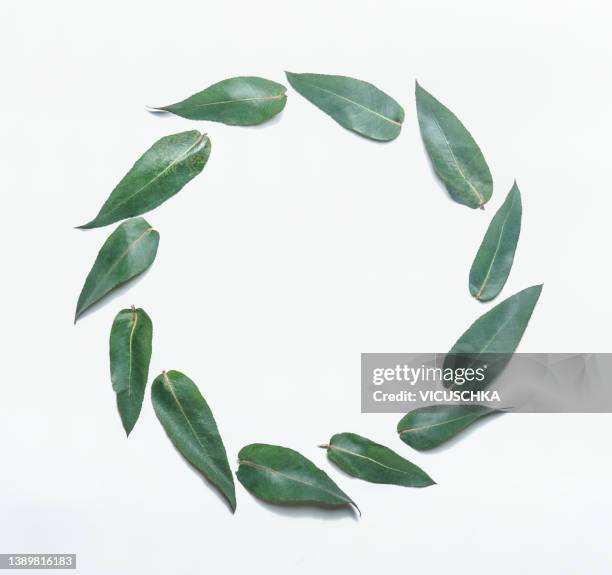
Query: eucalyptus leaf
{"x": 242, "y": 101}
{"x": 494, "y": 259}
{"x": 455, "y": 156}
{"x": 282, "y": 475}
{"x": 159, "y": 174}
{"x": 362, "y": 458}
{"x": 191, "y": 427}
{"x": 492, "y": 339}
{"x": 130, "y": 354}
{"x": 127, "y": 252}
{"x": 428, "y": 427}
{"x": 354, "y": 104}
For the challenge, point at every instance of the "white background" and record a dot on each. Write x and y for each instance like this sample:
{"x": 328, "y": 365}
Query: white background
{"x": 300, "y": 246}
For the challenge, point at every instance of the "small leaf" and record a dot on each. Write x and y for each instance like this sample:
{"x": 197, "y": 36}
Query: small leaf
{"x": 190, "y": 425}
{"x": 494, "y": 259}
{"x": 492, "y": 339}
{"x": 456, "y": 157}
{"x": 362, "y": 458}
{"x": 242, "y": 101}
{"x": 428, "y": 427}
{"x": 159, "y": 174}
{"x": 127, "y": 252}
{"x": 281, "y": 475}
{"x": 130, "y": 355}
{"x": 354, "y": 104}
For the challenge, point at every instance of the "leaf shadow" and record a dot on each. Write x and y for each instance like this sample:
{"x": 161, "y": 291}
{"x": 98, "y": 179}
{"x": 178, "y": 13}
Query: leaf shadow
{"x": 310, "y": 510}
{"x": 116, "y": 293}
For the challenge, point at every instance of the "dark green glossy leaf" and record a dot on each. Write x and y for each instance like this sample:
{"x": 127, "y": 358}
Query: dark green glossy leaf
{"x": 455, "y": 156}
{"x": 130, "y": 354}
{"x": 492, "y": 339}
{"x": 190, "y": 425}
{"x": 241, "y": 101}
{"x": 362, "y": 458}
{"x": 127, "y": 252}
{"x": 281, "y": 475}
{"x": 494, "y": 259}
{"x": 354, "y": 104}
{"x": 158, "y": 175}
{"x": 430, "y": 426}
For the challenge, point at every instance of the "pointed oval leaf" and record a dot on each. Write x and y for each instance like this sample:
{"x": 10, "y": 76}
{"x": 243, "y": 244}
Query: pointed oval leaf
{"x": 127, "y": 252}
{"x": 191, "y": 427}
{"x": 130, "y": 354}
{"x": 370, "y": 461}
{"x": 492, "y": 339}
{"x": 159, "y": 174}
{"x": 242, "y": 101}
{"x": 494, "y": 259}
{"x": 455, "y": 156}
{"x": 430, "y": 426}
{"x": 354, "y": 104}
{"x": 282, "y": 475}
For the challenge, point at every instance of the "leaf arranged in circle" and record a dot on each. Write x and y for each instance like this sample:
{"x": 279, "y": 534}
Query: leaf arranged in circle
{"x": 356, "y": 105}
{"x": 493, "y": 261}
{"x": 241, "y": 101}
{"x": 159, "y": 174}
{"x": 428, "y": 427}
{"x": 191, "y": 427}
{"x": 127, "y": 252}
{"x": 362, "y": 458}
{"x": 454, "y": 154}
{"x": 130, "y": 354}
{"x": 282, "y": 475}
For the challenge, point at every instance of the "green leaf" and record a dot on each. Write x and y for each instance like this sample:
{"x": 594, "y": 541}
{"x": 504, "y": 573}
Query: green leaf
{"x": 492, "y": 339}
{"x": 127, "y": 252}
{"x": 190, "y": 425}
{"x": 158, "y": 175}
{"x": 494, "y": 259}
{"x": 281, "y": 475}
{"x": 130, "y": 355}
{"x": 354, "y": 104}
{"x": 242, "y": 101}
{"x": 456, "y": 157}
{"x": 428, "y": 427}
{"x": 362, "y": 458}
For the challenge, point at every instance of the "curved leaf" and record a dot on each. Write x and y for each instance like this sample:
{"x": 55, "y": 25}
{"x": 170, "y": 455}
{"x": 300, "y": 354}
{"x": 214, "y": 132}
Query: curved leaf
{"x": 130, "y": 354}
{"x": 190, "y": 425}
{"x": 354, "y": 104}
{"x": 281, "y": 475}
{"x": 241, "y": 101}
{"x": 159, "y": 174}
{"x": 492, "y": 339}
{"x": 494, "y": 259}
{"x": 127, "y": 252}
{"x": 455, "y": 156}
{"x": 430, "y": 426}
{"x": 370, "y": 461}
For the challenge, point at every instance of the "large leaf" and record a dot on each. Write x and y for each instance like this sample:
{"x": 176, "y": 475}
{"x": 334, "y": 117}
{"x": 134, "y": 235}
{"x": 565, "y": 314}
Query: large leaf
{"x": 492, "y": 339}
{"x": 127, "y": 252}
{"x": 354, "y": 104}
{"x": 494, "y": 259}
{"x": 158, "y": 174}
{"x": 241, "y": 101}
{"x": 455, "y": 156}
{"x": 130, "y": 354}
{"x": 281, "y": 475}
{"x": 362, "y": 458}
{"x": 190, "y": 425}
{"x": 428, "y": 427}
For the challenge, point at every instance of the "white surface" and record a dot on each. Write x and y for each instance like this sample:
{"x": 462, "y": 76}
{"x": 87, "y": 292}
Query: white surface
{"x": 300, "y": 246}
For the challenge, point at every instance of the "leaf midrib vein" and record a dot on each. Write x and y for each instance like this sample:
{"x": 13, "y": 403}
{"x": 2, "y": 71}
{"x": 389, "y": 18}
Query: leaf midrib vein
{"x": 411, "y": 429}
{"x": 262, "y": 98}
{"x": 367, "y": 458}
